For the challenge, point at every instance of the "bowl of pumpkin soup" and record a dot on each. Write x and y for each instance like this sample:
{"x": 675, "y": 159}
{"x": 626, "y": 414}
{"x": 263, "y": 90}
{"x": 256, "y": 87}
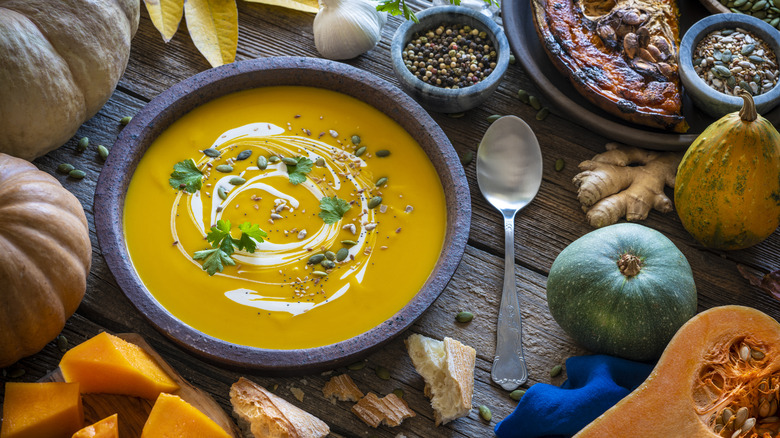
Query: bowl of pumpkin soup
{"x": 287, "y": 215}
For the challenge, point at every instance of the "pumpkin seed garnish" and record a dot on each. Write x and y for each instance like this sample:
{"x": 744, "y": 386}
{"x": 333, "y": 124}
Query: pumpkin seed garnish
{"x": 273, "y": 159}
{"x": 83, "y": 144}
{"x": 65, "y": 168}
{"x": 224, "y": 168}
{"x": 374, "y": 202}
{"x": 381, "y": 181}
{"x": 103, "y": 152}
{"x": 517, "y": 394}
{"x": 330, "y": 255}
{"x": 342, "y": 254}
{"x": 243, "y": 155}
{"x": 221, "y": 193}
{"x": 559, "y": 164}
{"x": 493, "y": 118}
{"x": 237, "y": 180}
{"x": 125, "y": 120}
{"x": 316, "y": 258}
{"x": 556, "y": 370}
{"x": 262, "y": 162}
{"x": 382, "y": 153}
{"x": 319, "y": 273}
{"x": 211, "y": 152}
{"x": 357, "y": 365}
{"x": 398, "y": 392}
{"x": 464, "y": 316}
{"x": 355, "y": 140}
{"x": 289, "y": 161}
{"x": 466, "y": 158}
{"x": 327, "y": 264}
{"x": 360, "y": 151}
{"x": 348, "y": 242}
{"x": 62, "y": 343}
{"x": 382, "y": 372}
{"x": 320, "y": 162}
{"x": 77, "y": 174}
{"x": 485, "y": 413}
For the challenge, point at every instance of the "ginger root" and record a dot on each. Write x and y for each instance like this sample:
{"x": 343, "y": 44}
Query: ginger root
{"x": 625, "y": 181}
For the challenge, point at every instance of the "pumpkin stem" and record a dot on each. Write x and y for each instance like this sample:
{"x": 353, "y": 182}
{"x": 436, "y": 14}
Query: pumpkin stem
{"x": 629, "y": 265}
{"x": 748, "y": 112}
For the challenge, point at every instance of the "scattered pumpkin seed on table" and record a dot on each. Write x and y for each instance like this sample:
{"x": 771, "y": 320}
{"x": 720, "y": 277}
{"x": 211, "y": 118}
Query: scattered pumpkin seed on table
{"x": 383, "y": 373}
{"x": 517, "y": 394}
{"x": 357, "y": 365}
{"x": 455, "y": 115}
{"x": 65, "y": 167}
{"x": 62, "y": 343}
{"x": 534, "y": 102}
{"x": 485, "y": 413}
{"x": 398, "y": 392}
{"x": 103, "y": 152}
{"x": 524, "y": 96}
{"x": 556, "y": 370}
{"x": 77, "y": 174}
{"x": 83, "y": 144}
{"x": 125, "y": 120}
{"x": 464, "y": 316}
{"x": 542, "y": 114}
{"x": 493, "y": 118}
{"x": 466, "y": 158}
{"x": 559, "y": 164}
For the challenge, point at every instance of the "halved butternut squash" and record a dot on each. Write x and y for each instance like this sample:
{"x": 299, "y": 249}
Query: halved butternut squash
{"x": 720, "y": 374}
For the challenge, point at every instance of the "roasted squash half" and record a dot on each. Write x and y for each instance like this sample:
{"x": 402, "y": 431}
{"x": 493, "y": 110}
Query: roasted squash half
{"x": 619, "y": 54}
{"x": 719, "y": 376}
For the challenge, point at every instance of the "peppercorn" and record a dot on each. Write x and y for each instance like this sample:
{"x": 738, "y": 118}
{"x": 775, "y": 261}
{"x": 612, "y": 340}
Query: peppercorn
{"x": 442, "y": 55}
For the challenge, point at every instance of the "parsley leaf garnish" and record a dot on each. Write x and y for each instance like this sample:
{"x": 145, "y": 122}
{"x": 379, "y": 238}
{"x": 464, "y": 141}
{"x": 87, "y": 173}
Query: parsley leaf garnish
{"x": 186, "y": 176}
{"x": 223, "y": 245}
{"x": 297, "y": 173}
{"x": 249, "y": 232}
{"x": 333, "y": 209}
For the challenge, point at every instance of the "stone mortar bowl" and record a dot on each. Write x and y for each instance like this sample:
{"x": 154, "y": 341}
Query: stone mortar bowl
{"x": 166, "y": 108}
{"x": 706, "y": 98}
{"x": 439, "y": 99}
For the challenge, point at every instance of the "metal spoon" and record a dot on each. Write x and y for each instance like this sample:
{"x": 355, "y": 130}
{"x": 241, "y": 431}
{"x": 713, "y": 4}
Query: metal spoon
{"x": 509, "y": 172}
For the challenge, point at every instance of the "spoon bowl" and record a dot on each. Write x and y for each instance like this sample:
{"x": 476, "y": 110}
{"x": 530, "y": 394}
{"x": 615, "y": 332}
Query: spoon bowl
{"x": 509, "y": 173}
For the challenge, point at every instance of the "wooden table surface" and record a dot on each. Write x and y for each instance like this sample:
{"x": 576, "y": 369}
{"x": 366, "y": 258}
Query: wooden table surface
{"x": 552, "y": 221}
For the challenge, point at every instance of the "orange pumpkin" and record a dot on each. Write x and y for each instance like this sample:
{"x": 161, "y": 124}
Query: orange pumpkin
{"x": 719, "y": 374}
{"x": 45, "y": 256}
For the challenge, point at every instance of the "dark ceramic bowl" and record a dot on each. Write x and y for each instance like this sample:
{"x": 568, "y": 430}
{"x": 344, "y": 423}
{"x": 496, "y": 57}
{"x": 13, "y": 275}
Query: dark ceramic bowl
{"x": 163, "y": 110}
{"x": 439, "y": 99}
{"x": 707, "y": 99}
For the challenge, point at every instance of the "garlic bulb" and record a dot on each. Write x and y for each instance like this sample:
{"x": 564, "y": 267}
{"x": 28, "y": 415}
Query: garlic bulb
{"x": 344, "y": 29}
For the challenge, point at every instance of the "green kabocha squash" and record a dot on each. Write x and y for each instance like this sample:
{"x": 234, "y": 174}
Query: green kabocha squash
{"x": 727, "y": 191}
{"x": 622, "y": 290}
{"x": 59, "y": 63}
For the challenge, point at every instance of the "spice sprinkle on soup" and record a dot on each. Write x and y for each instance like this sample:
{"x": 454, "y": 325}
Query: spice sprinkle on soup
{"x": 284, "y": 217}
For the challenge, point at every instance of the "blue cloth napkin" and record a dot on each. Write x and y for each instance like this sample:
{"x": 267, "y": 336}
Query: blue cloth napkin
{"x": 595, "y": 383}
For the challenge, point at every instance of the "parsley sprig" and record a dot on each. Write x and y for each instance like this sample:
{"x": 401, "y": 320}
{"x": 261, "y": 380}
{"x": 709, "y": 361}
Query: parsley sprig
{"x": 186, "y": 176}
{"x": 333, "y": 209}
{"x": 297, "y": 173}
{"x": 223, "y": 245}
{"x": 399, "y": 7}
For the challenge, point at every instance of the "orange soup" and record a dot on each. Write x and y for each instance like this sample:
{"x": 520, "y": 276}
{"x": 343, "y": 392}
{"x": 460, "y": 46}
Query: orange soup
{"x": 284, "y": 217}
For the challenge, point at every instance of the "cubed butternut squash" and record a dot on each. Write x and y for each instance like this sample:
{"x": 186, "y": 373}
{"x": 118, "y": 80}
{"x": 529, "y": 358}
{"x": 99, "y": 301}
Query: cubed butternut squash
{"x": 38, "y": 410}
{"x": 111, "y": 365}
{"x": 172, "y": 417}
{"x": 105, "y": 428}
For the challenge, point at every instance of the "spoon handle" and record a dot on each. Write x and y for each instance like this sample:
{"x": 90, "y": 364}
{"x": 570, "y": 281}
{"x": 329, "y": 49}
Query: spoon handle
{"x": 509, "y": 369}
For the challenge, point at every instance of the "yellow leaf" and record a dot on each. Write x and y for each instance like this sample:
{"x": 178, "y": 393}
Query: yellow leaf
{"x": 165, "y": 15}
{"x": 213, "y": 26}
{"x": 299, "y": 5}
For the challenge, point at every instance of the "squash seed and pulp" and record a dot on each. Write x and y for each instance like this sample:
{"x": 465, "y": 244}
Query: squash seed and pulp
{"x": 309, "y": 282}
{"x": 737, "y": 392}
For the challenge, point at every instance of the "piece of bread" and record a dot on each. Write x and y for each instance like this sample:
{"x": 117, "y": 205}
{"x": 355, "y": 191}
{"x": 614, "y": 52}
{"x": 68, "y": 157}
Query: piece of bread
{"x": 270, "y": 416}
{"x": 389, "y": 409}
{"x": 343, "y": 388}
{"x": 448, "y": 369}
